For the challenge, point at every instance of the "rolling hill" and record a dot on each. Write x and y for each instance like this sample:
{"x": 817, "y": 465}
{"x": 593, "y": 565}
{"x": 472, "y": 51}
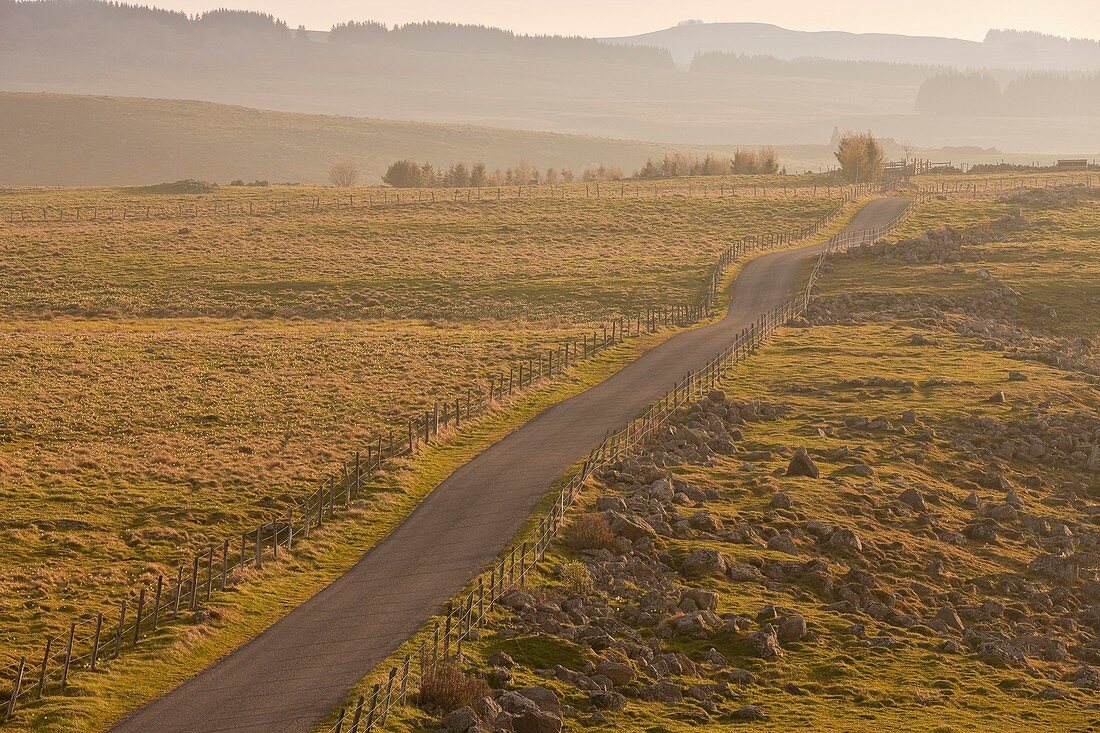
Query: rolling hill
{"x": 1000, "y": 48}
{"x": 435, "y": 72}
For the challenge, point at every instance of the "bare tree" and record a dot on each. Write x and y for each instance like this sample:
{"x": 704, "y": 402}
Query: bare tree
{"x": 343, "y": 174}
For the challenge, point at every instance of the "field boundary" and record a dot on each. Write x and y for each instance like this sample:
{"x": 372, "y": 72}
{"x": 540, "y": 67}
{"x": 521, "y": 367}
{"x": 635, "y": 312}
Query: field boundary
{"x": 256, "y": 206}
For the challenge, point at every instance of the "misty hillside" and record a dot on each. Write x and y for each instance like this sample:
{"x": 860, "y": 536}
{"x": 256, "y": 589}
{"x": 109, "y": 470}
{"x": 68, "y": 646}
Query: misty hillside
{"x": 1000, "y": 48}
{"x": 433, "y": 72}
{"x": 75, "y": 140}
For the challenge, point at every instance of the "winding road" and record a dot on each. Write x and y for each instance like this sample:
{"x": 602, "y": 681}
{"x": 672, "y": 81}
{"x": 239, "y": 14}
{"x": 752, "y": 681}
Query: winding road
{"x": 294, "y": 673}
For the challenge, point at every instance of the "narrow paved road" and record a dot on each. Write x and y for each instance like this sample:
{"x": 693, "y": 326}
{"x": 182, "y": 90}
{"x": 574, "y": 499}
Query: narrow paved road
{"x": 299, "y": 669}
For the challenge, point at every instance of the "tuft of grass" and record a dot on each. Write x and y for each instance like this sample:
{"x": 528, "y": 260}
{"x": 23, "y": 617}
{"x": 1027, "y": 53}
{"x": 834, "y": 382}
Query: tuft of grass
{"x": 446, "y": 687}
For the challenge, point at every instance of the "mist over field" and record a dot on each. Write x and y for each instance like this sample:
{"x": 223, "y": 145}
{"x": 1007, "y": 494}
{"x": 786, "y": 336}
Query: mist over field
{"x": 701, "y": 84}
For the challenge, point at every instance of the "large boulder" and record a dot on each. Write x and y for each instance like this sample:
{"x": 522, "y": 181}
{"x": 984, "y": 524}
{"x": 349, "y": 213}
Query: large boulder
{"x": 1093, "y": 461}
{"x": 802, "y": 465}
{"x": 536, "y": 722}
{"x": 619, "y": 671}
{"x": 545, "y": 698}
{"x": 702, "y": 563}
{"x": 631, "y": 527}
{"x": 461, "y": 720}
{"x": 846, "y": 540}
{"x": 791, "y": 629}
{"x": 1053, "y": 566}
{"x": 765, "y": 643}
{"x": 698, "y": 599}
{"x": 913, "y": 499}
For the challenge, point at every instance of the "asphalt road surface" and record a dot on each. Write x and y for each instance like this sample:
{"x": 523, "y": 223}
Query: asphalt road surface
{"x": 299, "y": 669}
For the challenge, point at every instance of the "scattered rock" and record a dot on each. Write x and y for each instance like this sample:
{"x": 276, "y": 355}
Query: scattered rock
{"x": 781, "y": 500}
{"x": 783, "y": 542}
{"x": 765, "y": 643}
{"x": 802, "y": 465}
{"x": 461, "y": 720}
{"x": 913, "y": 499}
{"x": 748, "y": 713}
{"x": 791, "y": 629}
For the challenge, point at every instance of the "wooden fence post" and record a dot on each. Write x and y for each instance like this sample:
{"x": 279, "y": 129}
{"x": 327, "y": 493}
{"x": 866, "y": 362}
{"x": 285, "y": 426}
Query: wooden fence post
{"x": 137, "y": 616}
{"x": 16, "y": 684}
{"x": 156, "y": 601}
{"x": 118, "y": 632}
{"x": 42, "y": 669}
{"x": 68, "y": 658}
{"x": 95, "y": 643}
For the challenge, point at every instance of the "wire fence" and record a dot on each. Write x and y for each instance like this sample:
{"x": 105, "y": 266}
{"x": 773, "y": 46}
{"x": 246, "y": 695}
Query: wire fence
{"x": 104, "y": 635}
{"x": 1002, "y": 185}
{"x": 210, "y": 206}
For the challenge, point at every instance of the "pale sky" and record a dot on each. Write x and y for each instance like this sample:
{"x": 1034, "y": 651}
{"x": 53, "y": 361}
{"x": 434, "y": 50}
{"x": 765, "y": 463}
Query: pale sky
{"x": 953, "y": 18}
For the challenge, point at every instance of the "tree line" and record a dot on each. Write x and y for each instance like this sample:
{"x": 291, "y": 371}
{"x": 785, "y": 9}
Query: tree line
{"x": 764, "y": 160}
{"x": 411, "y": 174}
{"x": 459, "y": 38}
{"x": 814, "y": 67}
{"x": 1038, "y": 94}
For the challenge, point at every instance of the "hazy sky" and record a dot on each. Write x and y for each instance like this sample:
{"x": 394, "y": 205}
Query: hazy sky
{"x": 955, "y": 18}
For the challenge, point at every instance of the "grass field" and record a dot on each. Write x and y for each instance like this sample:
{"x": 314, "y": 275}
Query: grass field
{"x": 854, "y": 363}
{"x": 565, "y": 261}
{"x": 166, "y": 388}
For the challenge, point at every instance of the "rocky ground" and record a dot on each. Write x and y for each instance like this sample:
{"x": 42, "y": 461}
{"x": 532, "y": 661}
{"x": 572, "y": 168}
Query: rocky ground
{"x": 889, "y": 516}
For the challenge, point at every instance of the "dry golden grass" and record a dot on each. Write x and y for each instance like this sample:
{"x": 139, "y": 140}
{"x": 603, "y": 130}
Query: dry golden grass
{"x": 573, "y": 260}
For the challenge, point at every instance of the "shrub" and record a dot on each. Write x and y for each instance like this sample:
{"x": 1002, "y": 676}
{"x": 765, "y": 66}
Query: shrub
{"x": 576, "y": 579}
{"x": 446, "y": 687}
{"x": 590, "y": 532}
{"x": 860, "y": 157}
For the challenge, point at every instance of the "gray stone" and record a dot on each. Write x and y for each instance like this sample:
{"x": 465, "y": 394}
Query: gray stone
{"x": 546, "y": 699}
{"x": 749, "y": 713}
{"x": 781, "y": 500}
{"x": 1053, "y": 566}
{"x": 949, "y": 618}
{"x": 698, "y": 599}
{"x": 802, "y": 465}
{"x": 765, "y": 643}
{"x": 845, "y": 539}
{"x": 792, "y": 629}
{"x": 631, "y": 527}
{"x": 783, "y": 542}
{"x": 912, "y": 498}
{"x": 517, "y": 704}
{"x": 701, "y": 563}
{"x": 461, "y": 720}
{"x": 536, "y": 722}
{"x": 1093, "y": 461}
{"x": 619, "y": 672}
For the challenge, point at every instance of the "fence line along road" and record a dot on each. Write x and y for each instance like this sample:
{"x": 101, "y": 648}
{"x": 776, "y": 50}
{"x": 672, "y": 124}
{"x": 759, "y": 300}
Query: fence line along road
{"x": 442, "y": 641}
{"x": 93, "y": 640}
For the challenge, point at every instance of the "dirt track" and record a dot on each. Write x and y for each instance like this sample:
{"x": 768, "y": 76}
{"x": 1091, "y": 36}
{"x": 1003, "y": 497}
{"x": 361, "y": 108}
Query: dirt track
{"x": 297, "y": 671}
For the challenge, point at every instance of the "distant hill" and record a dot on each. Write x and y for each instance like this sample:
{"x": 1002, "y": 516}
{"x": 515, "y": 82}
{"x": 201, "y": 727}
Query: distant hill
{"x": 1000, "y": 49}
{"x": 81, "y": 140}
{"x": 443, "y": 73}
{"x": 70, "y": 140}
